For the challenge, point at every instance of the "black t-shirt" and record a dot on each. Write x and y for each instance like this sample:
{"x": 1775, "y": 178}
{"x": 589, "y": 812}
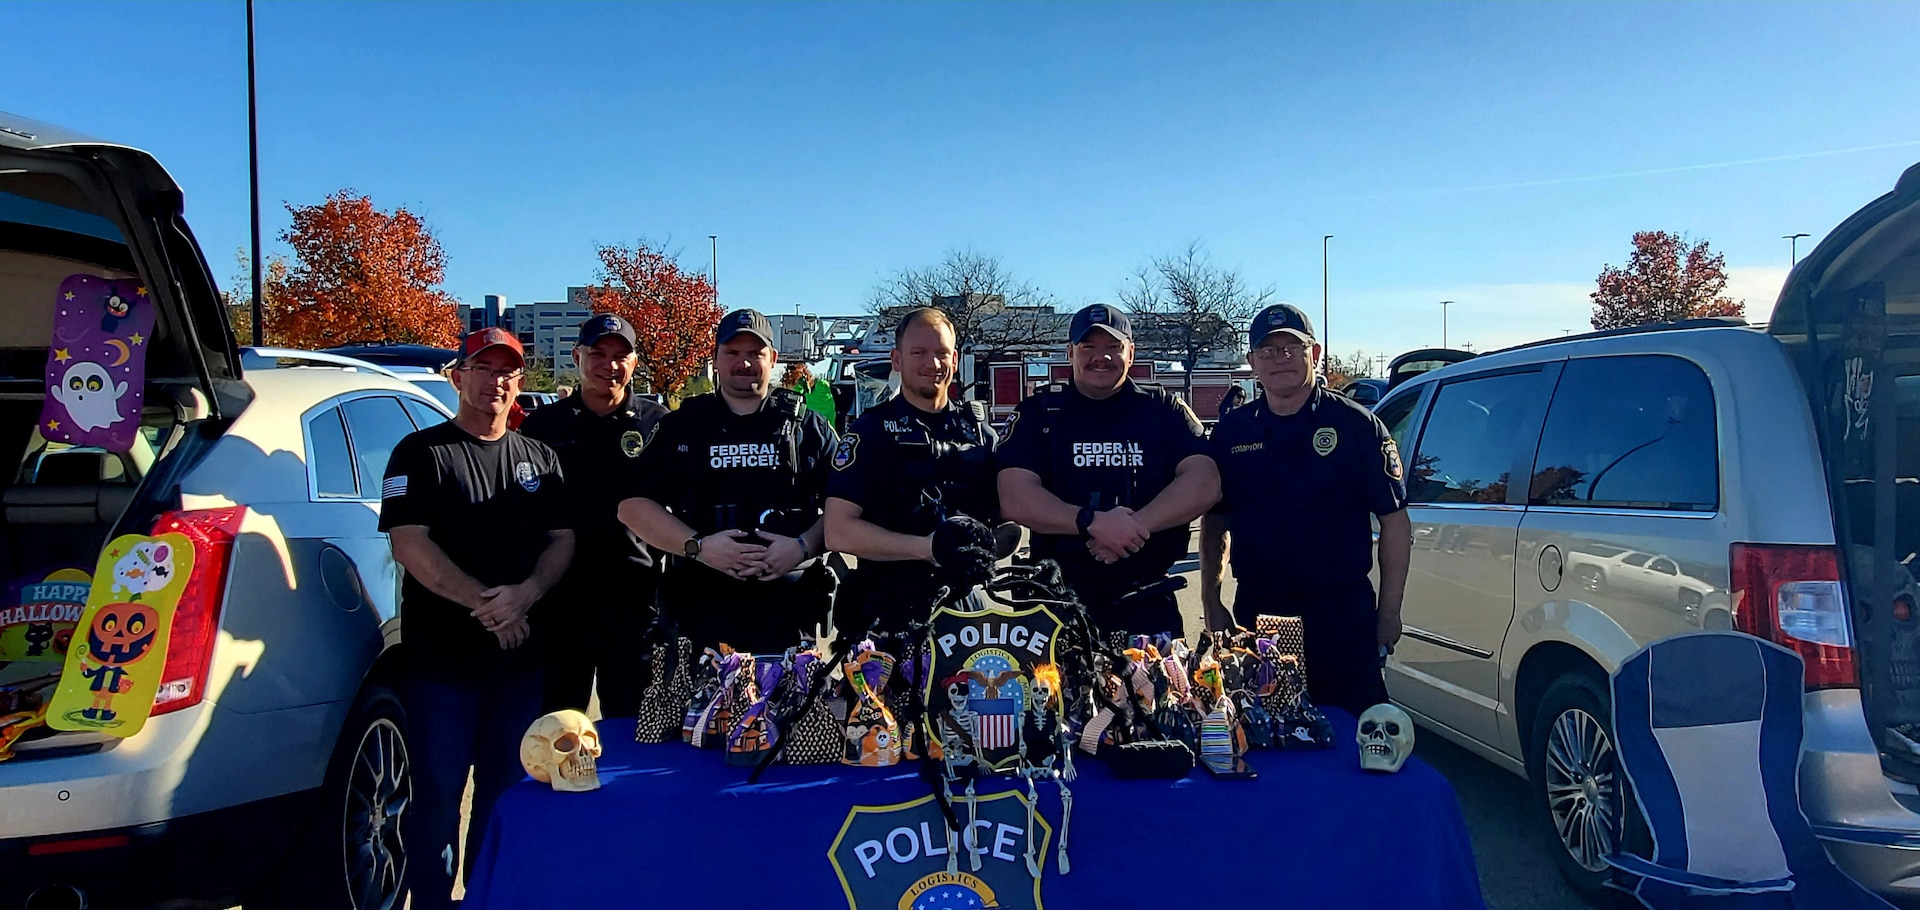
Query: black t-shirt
{"x": 600, "y": 453}
{"x": 1117, "y": 451}
{"x": 488, "y": 505}
{"x": 1300, "y": 490}
{"x": 908, "y": 469}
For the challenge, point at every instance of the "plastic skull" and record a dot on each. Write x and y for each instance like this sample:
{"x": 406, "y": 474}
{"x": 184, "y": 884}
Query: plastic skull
{"x": 1386, "y": 738}
{"x": 562, "y": 749}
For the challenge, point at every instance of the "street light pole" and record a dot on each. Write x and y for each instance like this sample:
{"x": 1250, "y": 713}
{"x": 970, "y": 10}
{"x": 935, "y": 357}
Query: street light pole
{"x": 1323, "y": 291}
{"x": 253, "y": 169}
{"x": 1793, "y": 248}
{"x": 1443, "y": 322}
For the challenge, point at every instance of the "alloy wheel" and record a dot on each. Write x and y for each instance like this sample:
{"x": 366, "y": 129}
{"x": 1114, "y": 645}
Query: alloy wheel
{"x": 379, "y": 793}
{"x": 1583, "y": 790}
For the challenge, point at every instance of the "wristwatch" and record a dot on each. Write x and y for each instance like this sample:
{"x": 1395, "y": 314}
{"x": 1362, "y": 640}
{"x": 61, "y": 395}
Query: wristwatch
{"x": 692, "y": 549}
{"x": 1084, "y": 520}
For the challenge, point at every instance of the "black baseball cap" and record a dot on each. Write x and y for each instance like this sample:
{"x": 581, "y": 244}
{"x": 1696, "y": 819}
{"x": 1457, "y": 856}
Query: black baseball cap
{"x": 1099, "y": 316}
{"x": 602, "y": 325}
{"x": 738, "y": 321}
{"x": 1281, "y": 317}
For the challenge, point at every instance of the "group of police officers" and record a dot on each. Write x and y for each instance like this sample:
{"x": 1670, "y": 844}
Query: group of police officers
{"x": 530, "y": 556}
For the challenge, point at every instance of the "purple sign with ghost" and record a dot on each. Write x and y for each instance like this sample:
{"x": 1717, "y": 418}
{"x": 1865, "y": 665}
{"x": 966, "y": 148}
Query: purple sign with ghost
{"x": 97, "y": 366}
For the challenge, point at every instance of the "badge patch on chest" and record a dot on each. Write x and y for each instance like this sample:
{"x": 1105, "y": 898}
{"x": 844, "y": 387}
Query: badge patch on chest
{"x": 631, "y": 442}
{"x": 529, "y": 481}
{"x": 846, "y": 451}
{"x": 1324, "y": 440}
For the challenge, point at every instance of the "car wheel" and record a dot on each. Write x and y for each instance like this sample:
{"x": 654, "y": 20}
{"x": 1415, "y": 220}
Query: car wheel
{"x": 355, "y": 859}
{"x": 1583, "y": 796}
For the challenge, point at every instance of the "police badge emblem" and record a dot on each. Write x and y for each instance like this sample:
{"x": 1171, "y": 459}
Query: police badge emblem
{"x": 529, "y": 481}
{"x": 846, "y": 451}
{"x": 1324, "y": 440}
{"x": 983, "y": 672}
{"x": 631, "y": 442}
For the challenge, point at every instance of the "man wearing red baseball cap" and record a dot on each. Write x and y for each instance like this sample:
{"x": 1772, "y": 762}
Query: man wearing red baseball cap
{"x": 475, "y": 513}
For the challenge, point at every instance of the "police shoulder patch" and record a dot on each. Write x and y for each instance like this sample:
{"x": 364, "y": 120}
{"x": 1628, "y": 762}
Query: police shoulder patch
{"x": 1007, "y": 433}
{"x": 1391, "y": 451}
{"x": 846, "y": 451}
{"x": 1325, "y": 440}
{"x": 1192, "y": 419}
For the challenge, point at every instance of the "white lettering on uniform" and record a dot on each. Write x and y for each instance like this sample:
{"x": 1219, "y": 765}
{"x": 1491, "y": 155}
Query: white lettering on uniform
{"x": 1108, "y": 455}
{"x": 743, "y": 455}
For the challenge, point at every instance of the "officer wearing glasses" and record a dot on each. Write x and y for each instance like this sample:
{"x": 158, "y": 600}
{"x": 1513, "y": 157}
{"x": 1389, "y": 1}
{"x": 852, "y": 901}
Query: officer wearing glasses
{"x": 1303, "y": 473}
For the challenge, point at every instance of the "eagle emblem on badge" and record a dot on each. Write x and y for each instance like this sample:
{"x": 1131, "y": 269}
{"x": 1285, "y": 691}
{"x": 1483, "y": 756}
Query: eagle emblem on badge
{"x": 981, "y": 685}
{"x": 1324, "y": 440}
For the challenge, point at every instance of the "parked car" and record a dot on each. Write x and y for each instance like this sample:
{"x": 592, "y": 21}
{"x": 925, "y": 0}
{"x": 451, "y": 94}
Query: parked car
{"x": 1574, "y": 500}
{"x": 1365, "y": 391}
{"x": 274, "y": 767}
{"x": 422, "y": 365}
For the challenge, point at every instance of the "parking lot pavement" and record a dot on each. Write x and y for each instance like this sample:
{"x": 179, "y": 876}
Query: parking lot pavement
{"x": 1514, "y": 855}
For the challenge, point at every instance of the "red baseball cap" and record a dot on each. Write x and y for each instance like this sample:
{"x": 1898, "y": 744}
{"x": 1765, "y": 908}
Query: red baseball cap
{"x": 492, "y": 338}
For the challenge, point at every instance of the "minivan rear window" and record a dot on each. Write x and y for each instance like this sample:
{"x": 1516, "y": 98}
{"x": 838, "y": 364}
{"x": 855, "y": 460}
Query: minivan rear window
{"x": 1634, "y": 432}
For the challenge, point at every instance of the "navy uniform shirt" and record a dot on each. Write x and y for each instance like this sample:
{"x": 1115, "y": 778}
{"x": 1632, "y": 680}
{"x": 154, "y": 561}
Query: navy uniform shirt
{"x": 1300, "y": 490}
{"x": 487, "y": 504}
{"x": 599, "y": 451}
{"x": 909, "y": 469}
{"x": 1118, "y": 451}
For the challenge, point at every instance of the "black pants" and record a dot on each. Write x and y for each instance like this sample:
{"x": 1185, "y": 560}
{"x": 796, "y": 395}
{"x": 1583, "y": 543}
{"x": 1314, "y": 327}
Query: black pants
{"x": 594, "y": 627}
{"x": 751, "y": 615}
{"x": 1342, "y": 640}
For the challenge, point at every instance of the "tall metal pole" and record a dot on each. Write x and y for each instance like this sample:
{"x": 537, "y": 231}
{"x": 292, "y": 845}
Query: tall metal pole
{"x": 1793, "y": 248}
{"x": 1323, "y": 291}
{"x": 713, "y": 265}
{"x": 253, "y": 167}
{"x": 1443, "y": 322}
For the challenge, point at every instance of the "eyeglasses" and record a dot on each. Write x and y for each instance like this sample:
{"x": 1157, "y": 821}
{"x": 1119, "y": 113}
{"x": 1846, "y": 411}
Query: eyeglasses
{"x": 495, "y": 375}
{"x": 1280, "y": 352}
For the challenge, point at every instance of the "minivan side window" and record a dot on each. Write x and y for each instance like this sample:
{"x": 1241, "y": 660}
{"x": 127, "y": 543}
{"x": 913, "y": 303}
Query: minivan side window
{"x": 332, "y": 464}
{"x": 378, "y": 424}
{"x": 1472, "y": 438}
{"x": 1632, "y": 432}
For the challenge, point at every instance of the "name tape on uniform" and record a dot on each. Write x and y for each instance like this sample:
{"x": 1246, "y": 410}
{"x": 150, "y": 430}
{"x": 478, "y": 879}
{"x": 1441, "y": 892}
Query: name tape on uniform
{"x": 1108, "y": 455}
{"x": 744, "y": 455}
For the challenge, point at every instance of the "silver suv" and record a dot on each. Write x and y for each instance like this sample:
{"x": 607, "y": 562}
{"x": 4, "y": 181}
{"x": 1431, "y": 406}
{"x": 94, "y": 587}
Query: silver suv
{"x": 274, "y": 767}
{"x": 1576, "y": 499}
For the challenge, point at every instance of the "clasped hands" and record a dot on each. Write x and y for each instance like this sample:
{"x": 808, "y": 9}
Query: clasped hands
{"x": 730, "y": 553}
{"x": 1116, "y": 534}
{"x": 503, "y": 611}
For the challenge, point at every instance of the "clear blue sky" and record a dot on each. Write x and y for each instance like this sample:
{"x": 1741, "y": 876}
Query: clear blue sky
{"x": 1446, "y": 146}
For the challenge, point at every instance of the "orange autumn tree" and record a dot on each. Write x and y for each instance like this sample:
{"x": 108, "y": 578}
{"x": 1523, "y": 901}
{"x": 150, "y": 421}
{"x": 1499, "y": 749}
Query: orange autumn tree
{"x": 673, "y": 312}
{"x": 361, "y": 274}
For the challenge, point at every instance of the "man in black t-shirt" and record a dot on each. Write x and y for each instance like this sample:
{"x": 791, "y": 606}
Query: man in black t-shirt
{"x": 732, "y": 484}
{"x": 1109, "y": 476}
{"x": 903, "y": 468}
{"x": 591, "y": 625}
{"x": 475, "y": 513}
{"x": 1305, "y": 472}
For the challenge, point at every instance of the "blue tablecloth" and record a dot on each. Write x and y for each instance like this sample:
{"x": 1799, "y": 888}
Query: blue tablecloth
{"x": 674, "y": 825}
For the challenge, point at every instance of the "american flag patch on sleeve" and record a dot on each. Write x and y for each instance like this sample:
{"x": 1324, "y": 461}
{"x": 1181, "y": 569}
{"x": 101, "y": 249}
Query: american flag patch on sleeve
{"x": 394, "y": 487}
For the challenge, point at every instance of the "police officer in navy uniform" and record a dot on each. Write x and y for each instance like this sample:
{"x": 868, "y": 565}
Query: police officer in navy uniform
{"x": 1109, "y": 476}
{"x": 732, "y": 484}
{"x": 905, "y": 468}
{"x": 1303, "y": 471}
{"x": 599, "y": 432}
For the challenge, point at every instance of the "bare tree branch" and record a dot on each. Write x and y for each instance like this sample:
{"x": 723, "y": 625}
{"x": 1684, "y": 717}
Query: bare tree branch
{"x": 992, "y": 309}
{"x": 1185, "y": 308}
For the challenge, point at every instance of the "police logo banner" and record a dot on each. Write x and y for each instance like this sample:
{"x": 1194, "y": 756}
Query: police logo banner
{"x": 980, "y": 686}
{"x": 900, "y": 857}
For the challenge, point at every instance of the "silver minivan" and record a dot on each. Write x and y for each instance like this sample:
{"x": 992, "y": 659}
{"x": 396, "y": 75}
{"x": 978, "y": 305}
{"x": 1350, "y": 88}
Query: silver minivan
{"x": 1574, "y": 500}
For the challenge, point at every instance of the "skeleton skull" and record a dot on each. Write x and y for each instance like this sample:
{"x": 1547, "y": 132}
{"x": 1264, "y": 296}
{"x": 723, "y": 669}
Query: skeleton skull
{"x": 1385, "y": 737}
{"x": 561, "y": 749}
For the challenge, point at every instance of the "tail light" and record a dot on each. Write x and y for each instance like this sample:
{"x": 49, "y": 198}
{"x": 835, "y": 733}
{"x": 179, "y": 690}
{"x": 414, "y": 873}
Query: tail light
{"x": 196, "y": 621}
{"x": 1792, "y": 596}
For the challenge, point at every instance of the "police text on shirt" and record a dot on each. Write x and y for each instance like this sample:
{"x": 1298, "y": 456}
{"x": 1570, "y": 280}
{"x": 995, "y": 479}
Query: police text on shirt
{"x": 1108, "y": 455}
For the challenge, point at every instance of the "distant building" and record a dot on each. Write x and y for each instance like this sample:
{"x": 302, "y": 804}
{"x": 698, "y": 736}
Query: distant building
{"x": 493, "y": 313}
{"x": 548, "y": 329}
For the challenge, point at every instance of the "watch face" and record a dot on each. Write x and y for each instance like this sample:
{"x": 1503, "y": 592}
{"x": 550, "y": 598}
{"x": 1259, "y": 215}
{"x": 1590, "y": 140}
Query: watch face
{"x": 692, "y": 548}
